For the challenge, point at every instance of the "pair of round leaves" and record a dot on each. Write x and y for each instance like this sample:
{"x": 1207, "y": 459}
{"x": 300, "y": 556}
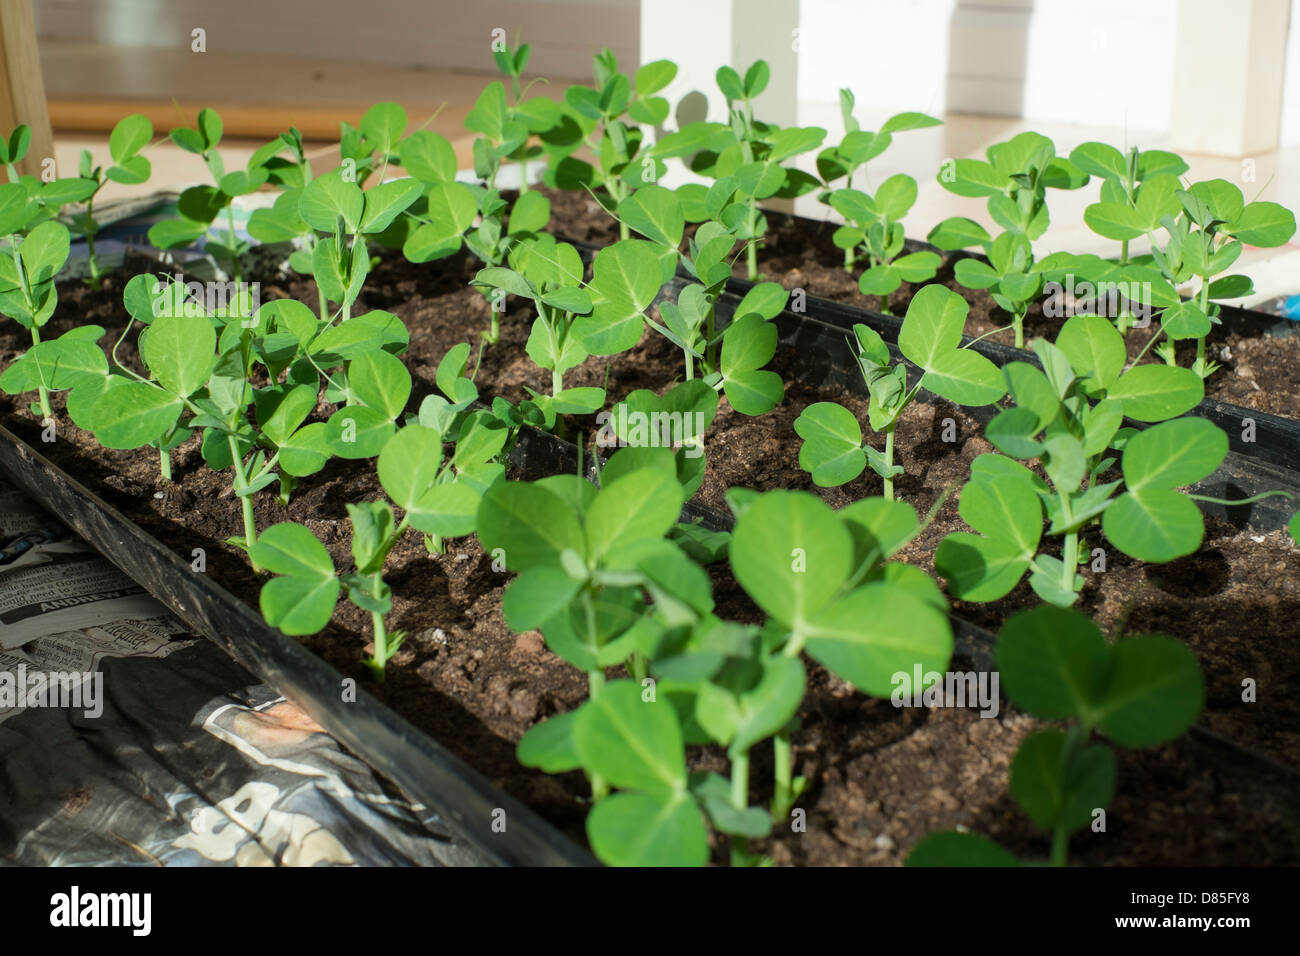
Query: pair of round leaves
{"x": 793, "y": 554}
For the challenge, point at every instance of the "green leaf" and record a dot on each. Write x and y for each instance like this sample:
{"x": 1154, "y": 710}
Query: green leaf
{"x": 653, "y": 77}
{"x": 383, "y": 125}
{"x": 1053, "y": 662}
{"x": 131, "y": 414}
{"x": 529, "y": 523}
{"x": 958, "y": 233}
{"x": 328, "y": 197}
{"x": 902, "y": 122}
{"x": 656, "y": 213}
{"x": 1113, "y": 220}
{"x": 358, "y": 336}
{"x": 1153, "y": 393}
{"x": 632, "y": 743}
{"x": 180, "y": 351}
{"x": 1100, "y": 159}
{"x": 1057, "y": 792}
{"x": 959, "y": 849}
{"x": 1153, "y": 694}
{"x": 489, "y": 113}
{"x": 972, "y": 177}
{"x": 129, "y": 136}
{"x": 530, "y": 213}
{"x": 933, "y": 324}
{"x": 771, "y": 704}
{"x": 1265, "y": 224}
{"x": 965, "y": 377}
{"x": 643, "y": 504}
{"x": 385, "y": 202}
{"x": 302, "y": 601}
{"x": 548, "y": 745}
{"x": 749, "y": 343}
{"x": 714, "y": 794}
{"x": 791, "y": 554}
{"x": 1095, "y": 349}
{"x": 626, "y": 279}
{"x": 537, "y": 596}
{"x": 44, "y": 251}
{"x": 381, "y": 381}
{"x": 409, "y": 464}
{"x": 877, "y": 633}
{"x": 1151, "y": 521}
{"x": 428, "y": 157}
{"x": 832, "y": 448}
{"x": 638, "y": 829}
{"x": 358, "y": 431}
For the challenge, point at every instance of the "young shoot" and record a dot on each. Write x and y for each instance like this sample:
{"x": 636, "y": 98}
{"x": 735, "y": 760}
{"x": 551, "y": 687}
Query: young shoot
{"x": 435, "y": 495}
{"x": 603, "y": 118}
{"x": 1136, "y": 693}
{"x": 199, "y": 207}
{"x": 1069, "y": 416}
{"x": 28, "y": 270}
{"x": 834, "y": 450}
{"x": 744, "y": 157}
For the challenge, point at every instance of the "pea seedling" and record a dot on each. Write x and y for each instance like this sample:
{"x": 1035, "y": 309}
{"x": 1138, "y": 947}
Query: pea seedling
{"x": 126, "y": 141}
{"x": 1015, "y": 179}
{"x": 439, "y": 497}
{"x": 627, "y": 278}
{"x": 1137, "y": 692}
{"x": 843, "y": 161}
{"x": 834, "y": 450}
{"x": 603, "y": 118}
{"x": 28, "y": 268}
{"x": 744, "y": 158}
{"x": 200, "y": 206}
{"x": 1069, "y": 415}
{"x": 549, "y": 274}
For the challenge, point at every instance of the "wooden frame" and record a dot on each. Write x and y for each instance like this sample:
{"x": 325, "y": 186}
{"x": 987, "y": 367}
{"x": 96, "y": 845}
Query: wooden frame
{"x": 22, "y": 89}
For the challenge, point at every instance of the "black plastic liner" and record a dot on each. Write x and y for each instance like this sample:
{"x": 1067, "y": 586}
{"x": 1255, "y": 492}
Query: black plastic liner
{"x": 424, "y": 770}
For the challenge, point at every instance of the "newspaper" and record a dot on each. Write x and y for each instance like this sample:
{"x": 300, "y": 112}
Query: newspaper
{"x": 63, "y": 589}
{"x": 127, "y": 740}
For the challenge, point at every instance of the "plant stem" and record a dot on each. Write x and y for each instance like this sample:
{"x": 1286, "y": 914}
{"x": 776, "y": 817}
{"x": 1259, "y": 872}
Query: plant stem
{"x": 1018, "y": 322}
{"x": 751, "y": 260}
{"x": 690, "y": 364}
{"x": 1060, "y": 846}
{"x": 381, "y": 635}
{"x": 783, "y": 795}
{"x": 165, "y": 463}
{"x": 1069, "y": 560}
{"x": 43, "y": 395}
{"x": 739, "y": 800}
{"x": 90, "y": 241}
{"x": 622, "y": 230}
{"x": 1123, "y": 252}
{"x": 596, "y": 684}
{"x": 234, "y": 243}
{"x": 494, "y": 333}
{"x": 889, "y": 461}
{"x": 241, "y": 481}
